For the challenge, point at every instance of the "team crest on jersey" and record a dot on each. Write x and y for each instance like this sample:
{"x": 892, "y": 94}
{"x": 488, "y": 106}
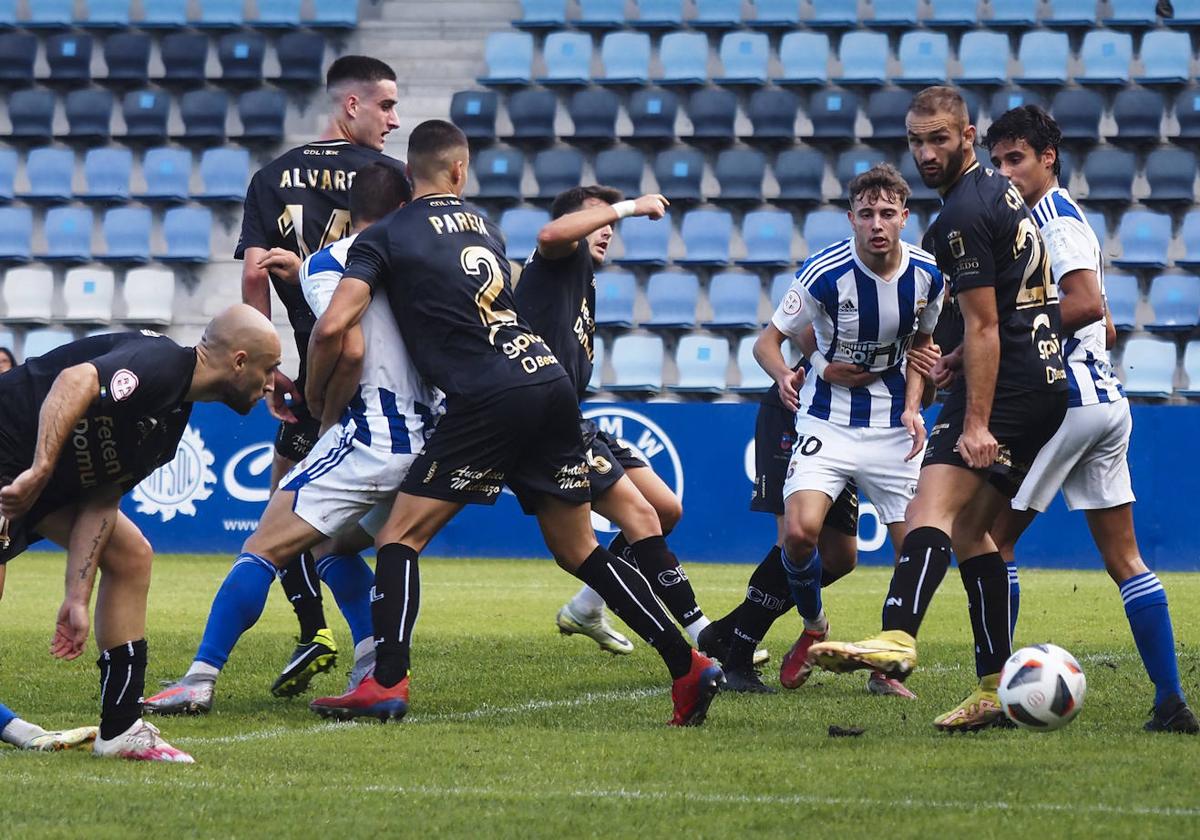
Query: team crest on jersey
{"x": 792, "y": 303}
{"x": 958, "y": 248}
{"x": 647, "y": 440}
{"x": 175, "y": 487}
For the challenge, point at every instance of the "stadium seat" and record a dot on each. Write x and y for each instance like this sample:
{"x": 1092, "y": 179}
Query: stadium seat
{"x": 70, "y": 57}
{"x": 541, "y": 14}
{"x": 780, "y": 283}
{"x": 1172, "y": 176}
{"x": 1191, "y": 369}
{"x": 886, "y": 111}
{"x": 509, "y": 59}
{"x": 31, "y": 113}
{"x": 1066, "y": 14}
{"x": 921, "y": 194}
{"x": 184, "y": 55}
{"x": 520, "y": 227}
{"x": 301, "y": 57}
{"x": 1149, "y": 366}
{"x": 833, "y": 14}
{"x": 1166, "y": 58}
{"x": 854, "y": 162}
{"x": 224, "y": 175}
{"x": 923, "y": 58}
{"x": 498, "y": 172}
{"x": 772, "y": 114}
{"x": 893, "y": 14}
{"x": 644, "y": 241}
{"x": 1109, "y": 174}
{"x": 164, "y": 14}
{"x": 568, "y": 58}
{"x": 804, "y": 57}
{"x": 657, "y": 14}
{"x": 50, "y": 14}
{"x": 600, "y": 14}
{"x": 734, "y": 301}
{"x": 706, "y": 235}
{"x": 1132, "y": 14}
{"x": 149, "y": 296}
{"x": 713, "y": 113}
{"x": 241, "y": 57}
{"x": 952, "y": 14}
{"x": 1138, "y": 113}
{"x": 984, "y": 58}
{"x": 717, "y": 14}
{"x": 1105, "y": 57}
{"x": 333, "y": 14}
{"x": 89, "y": 114}
{"x": 68, "y": 232}
{"x": 146, "y": 113}
{"x": 203, "y": 112}
{"x": 187, "y": 231}
{"x": 615, "y": 295}
{"x": 1122, "y": 295}
{"x": 1008, "y": 98}
{"x": 219, "y": 14}
{"x": 1016, "y": 14}
{"x": 1043, "y": 56}
{"x": 753, "y": 378}
{"x": 557, "y": 170}
{"x": 823, "y": 228}
{"x": 263, "y": 112}
{"x": 833, "y": 113}
{"x": 277, "y": 14}
{"x": 678, "y": 172}
{"x": 1066, "y": 164}
{"x": 775, "y": 14}
{"x": 912, "y": 230}
{"x": 106, "y": 173}
{"x": 767, "y": 235}
{"x": 1189, "y": 234}
{"x": 16, "y": 233}
{"x": 8, "y": 174}
{"x": 625, "y": 57}
{"x": 744, "y": 57}
{"x": 684, "y": 59}
{"x": 1098, "y": 224}
{"x": 622, "y": 169}
{"x": 652, "y": 113}
{"x": 42, "y": 341}
{"x": 127, "y": 58}
{"x": 531, "y": 113}
{"x": 474, "y": 111}
{"x": 88, "y": 296}
{"x": 28, "y": 296}
{"x": 126, "y": 235}
{"x": 106, "y": 14}
{"x": 50, "y": 171}
{"x": 800, "y": 173}
{"x": 166, "y": 172}
{"x": 672, "y": 298}
{"x": 637, "y": 362}
{"x": 701, "y": 361}
{"x": 863, "y": 56}
{"x": 1175, "y": 299}
{"x": 1187, "y": 113}
{"x": 1144, "y": 237}
{"x": 1078, "y": 113}
{"x": 18, "y": 54}
{"x": 593, "y": 112}
{"x": 739, "y": 173}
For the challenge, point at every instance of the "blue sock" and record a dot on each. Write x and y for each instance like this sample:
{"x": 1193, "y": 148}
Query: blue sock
{"x": 804, "y": 581}
{"x": 1014, "y": 599}
{"x": 1150, "y": 621}
{"x": 238, "y": 604}
{"x": 7, "y": 716}
{"x": 350, "y": 579}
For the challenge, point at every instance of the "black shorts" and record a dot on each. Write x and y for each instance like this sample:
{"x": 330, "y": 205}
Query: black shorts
{"x": 1022, "y": 421}
{"x": 22, "y": 532}
{"x": 607, "y": 458}
{"x": 295, "y": 440}
{"x": 774, "y": 437}
{"x": 527, "y": 438}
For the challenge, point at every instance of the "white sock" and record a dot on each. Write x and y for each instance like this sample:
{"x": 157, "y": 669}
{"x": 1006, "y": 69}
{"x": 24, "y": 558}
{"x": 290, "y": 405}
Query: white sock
{"x": 820, "y": 624}
{"x": 586, "y": 603}
{"x": 695, "y": 627}
{"x": 20, "y": 732}
{"x": 364, "y": 647}
{"x": 202, "y": 669}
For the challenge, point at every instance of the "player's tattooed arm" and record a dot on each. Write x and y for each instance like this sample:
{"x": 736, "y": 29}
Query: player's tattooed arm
{"x": 981, "y": 365}
{"x": 91, "y": 529}
{"x": 560, "y": 237}
{"x": 345, "y": 310}
{"x": 768, "y": 352}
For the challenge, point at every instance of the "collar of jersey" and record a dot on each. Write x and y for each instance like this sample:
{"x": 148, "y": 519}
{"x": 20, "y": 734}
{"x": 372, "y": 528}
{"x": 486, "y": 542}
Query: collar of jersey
{"x": 437, "y": 195}
{"x": 904, "y": 253}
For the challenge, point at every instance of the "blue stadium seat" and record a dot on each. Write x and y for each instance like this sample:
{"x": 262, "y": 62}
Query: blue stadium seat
{"x": 912, "y": 230}
{"x": 863, "y": 56}
{"x": 701, "y": 361}
{"x": 1043, "y": 56}
{"x": 594, "y": 115}
{"x": 474, "y": 111}
{"x": 127, "y": 58}
{"x": 753, "y": 378}
{"x": 775, "y": 14}
{"x": 16, "y": 232}
{"x": 184, "y": 55}
{"x": 70, "y": 57}
{"x": 744, "y": 57}
{"x": 833, "y": 113}
{"x": 333, "y": 14}
{"x": 1068, "y": 14}
{"x": 678, "y": 172}
{"x": 1187, "y": 14}
{"x": 50, "y": 171}
{"x": 652, "y": 113}
{"x": 224, "y": 174}
{"x": 780, "y": 283}
{"x": 498, "y": 172}
{"x": 886, "y": 111}
{"x": 31, "y": 113}
{"x": 1138, "y": 113}
{"x": 823, "y": 228}
{"x": 772, "y": 114}
{"x": 219, "y": 14}
{"x": 804, "y": 57}
{"x": 8, "y": 14}
{"x": 50, "y": 14}
{"x": 621, "y": 168}
{"x": 637, "y": 362}
{"x": 952, "y": 14}
{"x": 203, "y": 112}
{"x": 541, "y": 14}
{"x": 301, "y": 57}
{"x": 1109, "y": 174}
{"x": 645, "y": 241}
{"x": 1098, "y": 224}
{"x": 1132, "y": 14}
{"x": 1189, "y": 234}
{"x": 1144, "y": 237}
{"x": 557, "y": 170}
{"x": 616, "y": 292}
{"x": 1175, "y": 299}
{"x": 107, "y": 172}
{"x": 1149, "y": 366}
{"x": 164, "y": 14}
{"x": 767, "y": 235}
{"x": 1166, "y": 58}
{"x": 241, "y": 56}
{"x": 854, "y": 162}
{"x": 568, "y": 58}
{"x": 187, "y": 231}
{"x": 717, "y": 14}
{"x": 509, "y": 59}
{"x": 531, "y": 112}
{"x": 1008, "y": 98}
{"x": 106, "y": 14}
{"x": 263, "y": 112}
{"x": 277, "y": 14}
{"x": 18, "y": 54}
{"x": 1187, "y": 113}
{"x": 146, "y": 113}
{"x": 1066, "y": 164}
{"x": 1106, "y": 57}
{"x": 1078, "y": 112}
{"x": 923, "y": 58}
{"x": 601, "y": 14}
{"x": 520, "y": 226}
{"x": 657, "y": 14}
{"x": 672, "y": 298}
{"x": 800, "y": 173}
{"x": 706, "y": 235}
{"x": 734, "y": 301}
{"x": 68, "y": 233}
{"x": 40, "y": 342}
{"x": 984, "y": 58}
{"x": 1017, "y": 14}
{"x": 684, "y": 59}
{"x": 894, "y": 14}
{"x": 89, "y": 114}
{"x": 1122, "y": 295}
{"x": 1172, "y": 176}
{"x": 713, "y": 112}
{"x": 1191, "y": 369}
{"x": 740, "y": 175}
{"x": 8, "y": 173}
{"x": 625, "y": 57}
{"x": 28, "y": 296}
{"x": 126, "y": 235}
{"x": 598, "y": 356}
{"x": 833, "y": 14}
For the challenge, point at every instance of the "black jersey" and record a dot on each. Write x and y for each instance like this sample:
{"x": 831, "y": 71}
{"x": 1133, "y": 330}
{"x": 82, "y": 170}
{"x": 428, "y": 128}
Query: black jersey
{"x": 442, "y": 264}
{"x": 301, "y": 202}
{"x": 558, "y": 300}
{"x": 133, "y": 427}
{"x": 984, "y": 236}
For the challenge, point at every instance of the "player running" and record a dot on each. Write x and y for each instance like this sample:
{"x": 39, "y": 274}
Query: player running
{"x": 297, "y": 203}
{"x": 1088, "y": 455}
{"x": 512, "y": 417}
{"x": 1008, "y": 403}
{"x": 79, "y": 427}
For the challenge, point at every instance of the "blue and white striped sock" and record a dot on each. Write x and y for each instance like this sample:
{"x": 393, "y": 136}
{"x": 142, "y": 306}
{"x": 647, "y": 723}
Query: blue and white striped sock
{"x": 1014, "y": 598}
{"x": 1150, "y": 620}
{"x": 238, "y": 604}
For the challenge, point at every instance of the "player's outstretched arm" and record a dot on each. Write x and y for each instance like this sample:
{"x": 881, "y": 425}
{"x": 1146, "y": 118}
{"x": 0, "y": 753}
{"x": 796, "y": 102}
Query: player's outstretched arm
{"x": 94, "y": 520}
{"x": 256, "y": 291}
{"x": 561, "y": 236}
{"x": 768, "y": 352}
{"x": 981, "y": 364}
{"x": 345, "y": 310}
{"x": 1079, "y": 300}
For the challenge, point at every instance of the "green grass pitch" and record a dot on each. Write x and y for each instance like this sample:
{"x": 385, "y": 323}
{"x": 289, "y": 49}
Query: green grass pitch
{"x": 516, "y": 731}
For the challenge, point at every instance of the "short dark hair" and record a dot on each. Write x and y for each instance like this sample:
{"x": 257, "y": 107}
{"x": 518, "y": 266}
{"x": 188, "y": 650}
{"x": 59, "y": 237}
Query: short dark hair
{"x": 1031, "y": 124}
{"x": 940, "y": 99}
{"x": 429, "y": 144}
{"x": 882, "y": 179}
{"x": 358, "y": 68}
{"x": 568, "y": 201}
{"x": 378, "y": 189}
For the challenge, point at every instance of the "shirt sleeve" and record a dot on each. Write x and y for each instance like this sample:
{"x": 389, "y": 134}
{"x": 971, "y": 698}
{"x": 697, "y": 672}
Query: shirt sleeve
{"x": 142, "y": 376}
{"x": 368, "y": 260}
{"x": 1069, "y": 246}
{"x": 928, "y": 319}
{"x": 968, "y": 246}
{"x": 318, "y": 288}
{"x": 795, "y": 311}
{"x": 253, "y": 234}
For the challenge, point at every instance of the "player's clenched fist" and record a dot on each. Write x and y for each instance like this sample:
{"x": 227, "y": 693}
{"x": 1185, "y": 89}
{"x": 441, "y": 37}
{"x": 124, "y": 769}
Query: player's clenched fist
{"x": 18, "y": 497}
{"x": 651, "y": 205}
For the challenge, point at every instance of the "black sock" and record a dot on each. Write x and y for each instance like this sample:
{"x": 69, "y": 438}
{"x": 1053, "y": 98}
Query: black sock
{"x": 122, "y": 680}
{"x": 828, "y": 577}
{"x": 303, "y": 587}
{"x": 659, "y": 565}
{"x": 767, "y": 598}
{"x": 924, "y": 559}
{"x": 619, "y": 547}
{"x": 629, "y": 596}
{"x": 986, "y": 580}
{"x": 395, "y": 602}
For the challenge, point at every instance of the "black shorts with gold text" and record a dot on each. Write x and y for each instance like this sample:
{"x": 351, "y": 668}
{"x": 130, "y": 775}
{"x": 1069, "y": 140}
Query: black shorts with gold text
{"x": 608, "y": 458}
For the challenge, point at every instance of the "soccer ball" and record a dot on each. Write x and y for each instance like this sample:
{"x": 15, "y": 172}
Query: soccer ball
{"x": 1042, "y": 687}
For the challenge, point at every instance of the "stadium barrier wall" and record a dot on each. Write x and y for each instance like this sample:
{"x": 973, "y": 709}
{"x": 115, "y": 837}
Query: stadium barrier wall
{"x": 209, "y": 498}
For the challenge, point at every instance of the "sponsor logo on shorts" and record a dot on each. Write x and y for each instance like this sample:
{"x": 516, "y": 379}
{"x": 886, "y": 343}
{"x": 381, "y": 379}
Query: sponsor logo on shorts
{"x": 468, "y": 479}
{"x": 573, "y": 477}
{"x": 124, "y": 383}
{"x": 646, "y": 439}
{"x": 175, "y": 487}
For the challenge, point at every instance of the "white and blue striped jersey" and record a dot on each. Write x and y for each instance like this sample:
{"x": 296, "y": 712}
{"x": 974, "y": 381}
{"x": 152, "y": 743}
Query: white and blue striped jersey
{"x": 862, "y": 319}
{"x": 393, "y": 407}
{"x": 1072, "y": 245}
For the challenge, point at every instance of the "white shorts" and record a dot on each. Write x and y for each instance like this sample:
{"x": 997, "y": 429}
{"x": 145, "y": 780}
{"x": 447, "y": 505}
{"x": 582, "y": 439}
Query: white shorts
{"x": 343, "y": 482}
{"x": 826, "y": 456}
{"x": 1087, "y": 458}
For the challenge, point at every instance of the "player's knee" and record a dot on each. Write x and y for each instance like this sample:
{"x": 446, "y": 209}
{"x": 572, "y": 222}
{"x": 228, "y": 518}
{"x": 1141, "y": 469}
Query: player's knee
{"x": 640, "y": 520}
{"x": 669, "y": 511}
{"x": 261, "y": 546}
{"x": 130, "y": 560}
{"x": 1121, "y": 567}
{"x": 799, "y": 540}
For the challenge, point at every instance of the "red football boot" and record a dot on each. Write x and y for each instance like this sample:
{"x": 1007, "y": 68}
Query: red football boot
{"x": 795, "y": 667}
{"x": 369, "y": 699}
{"x": 694, "y": 691}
